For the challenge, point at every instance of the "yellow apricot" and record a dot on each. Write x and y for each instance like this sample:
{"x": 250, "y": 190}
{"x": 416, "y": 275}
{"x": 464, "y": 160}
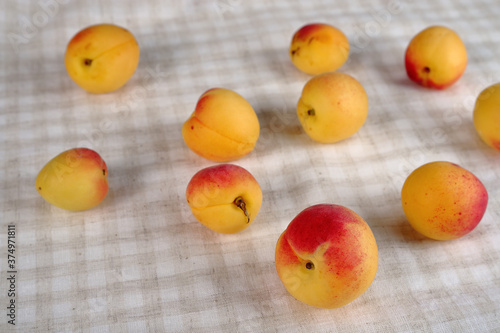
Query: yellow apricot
{"x": 486, "y": 116}
{"x": 443, "y": 201}
{"x": 333, "y": 106}
{"x": 223, "y": 127}
{"x": 75, "y": 180}
{"x": 102, "y": 58}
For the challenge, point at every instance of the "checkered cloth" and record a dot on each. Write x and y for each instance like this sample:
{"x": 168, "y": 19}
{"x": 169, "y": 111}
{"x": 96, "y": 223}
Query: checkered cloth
{"x": 140, "y": 262}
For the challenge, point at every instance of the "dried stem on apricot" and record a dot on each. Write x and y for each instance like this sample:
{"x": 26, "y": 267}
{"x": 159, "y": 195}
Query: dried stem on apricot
{"x": 240, "y": 203}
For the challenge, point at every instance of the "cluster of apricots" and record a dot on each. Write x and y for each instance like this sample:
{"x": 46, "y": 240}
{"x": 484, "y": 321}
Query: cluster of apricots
{"x": 327, "y": 256}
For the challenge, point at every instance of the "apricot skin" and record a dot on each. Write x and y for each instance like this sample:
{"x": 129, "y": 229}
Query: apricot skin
{"x": 102, "y": 58}
{"x": 435, "y": 58}
{"x": 486, "y": 116}
{"x": 318, "y": 48}
{"x": 333, "y": 106}
{"x": 443, "y": 201}
{"x": 223, "y": 126}
{"x": 327, "y": 256}
{"x": 74, "y": 180}
{"x": 225, "y": 198}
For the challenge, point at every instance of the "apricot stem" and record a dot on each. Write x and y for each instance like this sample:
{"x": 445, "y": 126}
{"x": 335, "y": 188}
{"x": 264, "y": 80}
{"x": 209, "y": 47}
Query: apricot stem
{"x": 310, "y": 265}
{"x": 311, "y": 112}
{"x": 427, "y": 70}
{"x": 87, "y": 62}
{"x": 242, "y": 205}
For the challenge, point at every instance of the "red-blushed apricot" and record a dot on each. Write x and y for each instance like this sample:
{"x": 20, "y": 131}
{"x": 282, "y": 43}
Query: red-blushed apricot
{"x": 436, "y": 58}
{"x": 225, "y": 198}
{"x": 443, "y": 201}
{"x": 327, "y": 256}
{"x": 318, "y": 48}
{"x": 76, "y": 179}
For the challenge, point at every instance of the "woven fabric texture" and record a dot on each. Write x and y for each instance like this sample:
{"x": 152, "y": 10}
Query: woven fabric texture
{"x": 140, "y": 261}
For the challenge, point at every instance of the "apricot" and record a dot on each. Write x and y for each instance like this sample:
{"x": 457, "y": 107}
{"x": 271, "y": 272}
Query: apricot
{"x": 76, "y": 179}
{"x": 327, "y": 256}
{"x": 443, "y": 201}
{"x": 102, "y": 58}
{"x": 436, "y": 58}
{"x": 333, "y": 106}
{"x": 223, "y": 126}
{"x": 486, "y": 116}
{"x": 225, "y": 198}
{"x": 318, "y": 48}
